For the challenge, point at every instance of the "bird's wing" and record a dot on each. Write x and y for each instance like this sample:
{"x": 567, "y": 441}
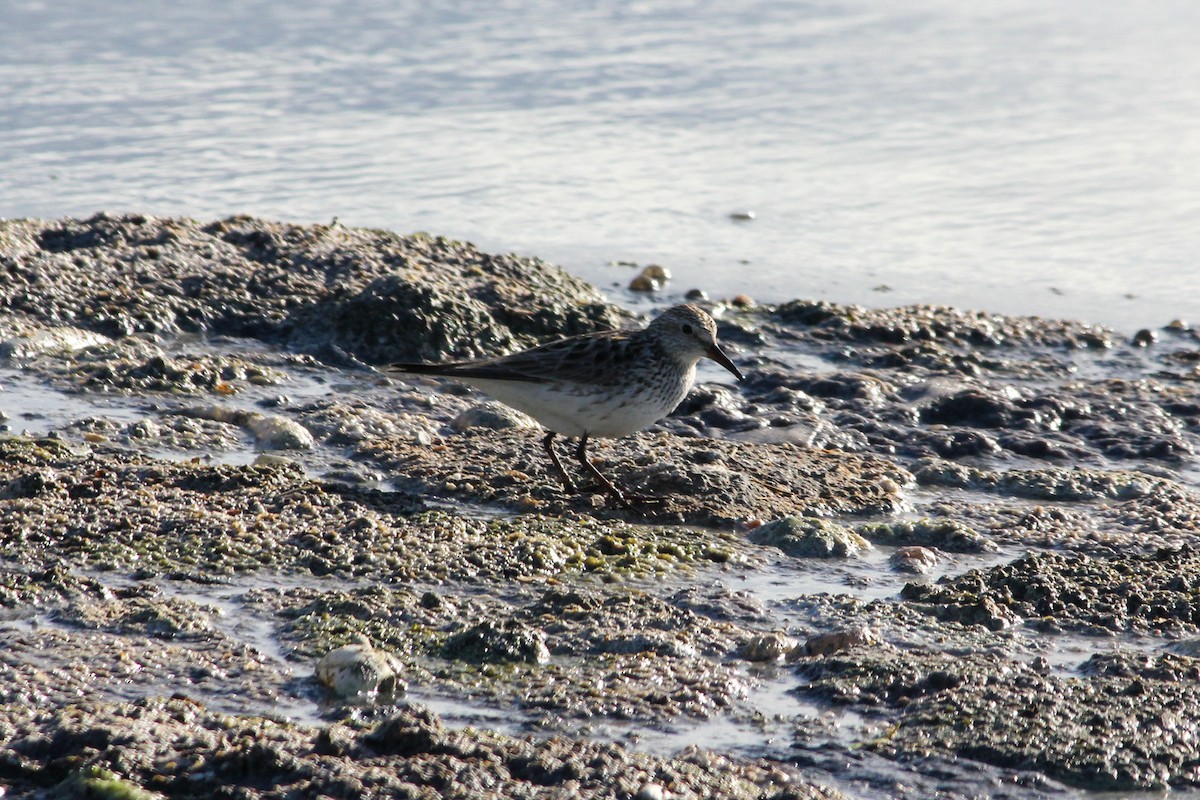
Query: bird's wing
{"x": 593, "y": 358}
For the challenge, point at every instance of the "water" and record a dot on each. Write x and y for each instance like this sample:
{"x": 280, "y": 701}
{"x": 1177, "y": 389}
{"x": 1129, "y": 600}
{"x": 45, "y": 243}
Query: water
{"x": 1020, "y": 157}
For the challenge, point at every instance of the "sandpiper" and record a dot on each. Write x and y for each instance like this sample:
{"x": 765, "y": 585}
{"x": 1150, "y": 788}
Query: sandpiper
{"x": 606, "y": 384}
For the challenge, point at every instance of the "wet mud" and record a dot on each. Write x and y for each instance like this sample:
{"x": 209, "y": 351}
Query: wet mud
{"x": 921, "y": 552}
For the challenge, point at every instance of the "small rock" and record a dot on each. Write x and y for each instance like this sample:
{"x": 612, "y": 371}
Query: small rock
{"x": 915, "y": 559}
{"x": 707, "y": 457}
{"x": 651, "y": 791}
{"x": 498, "y": 642}
{"x": 809, "y": 537}
{"x": 54, "y": 341}
{"x": 333, "y": 740}
{"x": 144, "y": 429}
{"x": 271, "y": 460}
{"x": 991, "y": 615}
{"x": 650, "y": 279}
{"x": 411, "y": 731}
{"x": 1144, "y": 338}
{"x": 38, "y": 483}
{"x": 493, "y": 416}
{"x": 696, "y": 294}
{"x": 274, "y": 432}
{"x": 440, "y": 604}
{"x": 745, "y": 215}
{"x": 768, "y": 646}
{"x": 743, "y": 301}
{"x": 824, "y": 644}
{"x": 945, "y": 534}
{"x": 358, "y": 671}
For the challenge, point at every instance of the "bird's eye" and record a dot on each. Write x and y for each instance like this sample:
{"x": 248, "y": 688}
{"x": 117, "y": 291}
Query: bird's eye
{"x": 687, "y": 329}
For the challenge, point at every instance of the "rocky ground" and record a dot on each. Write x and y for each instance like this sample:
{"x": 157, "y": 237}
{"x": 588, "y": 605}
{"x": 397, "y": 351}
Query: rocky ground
{"x": 921, "y": 552}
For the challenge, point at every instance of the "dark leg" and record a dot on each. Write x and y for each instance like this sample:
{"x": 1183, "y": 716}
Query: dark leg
{"x": 548, "y": 443}
{"x": 612, "y": 490}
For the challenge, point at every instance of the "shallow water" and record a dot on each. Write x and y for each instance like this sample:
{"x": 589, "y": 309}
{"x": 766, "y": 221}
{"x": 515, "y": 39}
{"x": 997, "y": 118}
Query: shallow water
{"x": 1021, "y": 158}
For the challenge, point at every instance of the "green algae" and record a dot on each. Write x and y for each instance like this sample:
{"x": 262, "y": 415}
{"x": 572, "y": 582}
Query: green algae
{"x": 97, "y": 783}
{"x": 949, "y": 535}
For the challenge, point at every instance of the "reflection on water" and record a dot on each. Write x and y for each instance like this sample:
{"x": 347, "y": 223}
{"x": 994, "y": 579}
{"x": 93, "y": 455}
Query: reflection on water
{"x": 1023, "y": 157}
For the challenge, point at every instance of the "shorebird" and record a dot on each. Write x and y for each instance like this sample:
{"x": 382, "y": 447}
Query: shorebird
{"x": 603, "y": 384}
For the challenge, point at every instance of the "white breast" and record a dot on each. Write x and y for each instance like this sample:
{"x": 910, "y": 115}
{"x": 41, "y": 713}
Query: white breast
{"x": 575, "y": 410}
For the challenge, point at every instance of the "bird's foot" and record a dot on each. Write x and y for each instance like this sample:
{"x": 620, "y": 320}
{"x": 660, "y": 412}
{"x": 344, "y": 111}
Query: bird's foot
{"x": 624, "y": 499}
{"x": 632, "y": 502}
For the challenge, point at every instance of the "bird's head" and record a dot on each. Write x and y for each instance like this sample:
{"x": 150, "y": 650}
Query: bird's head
{"x": 690, "y": 333}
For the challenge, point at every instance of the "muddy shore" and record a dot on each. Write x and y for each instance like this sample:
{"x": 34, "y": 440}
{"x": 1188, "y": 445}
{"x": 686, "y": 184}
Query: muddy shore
{"x": 922, "y": 552}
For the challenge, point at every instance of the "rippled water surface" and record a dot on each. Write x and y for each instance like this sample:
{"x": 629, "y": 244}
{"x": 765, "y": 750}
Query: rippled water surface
{"x": 1020, "y": 157}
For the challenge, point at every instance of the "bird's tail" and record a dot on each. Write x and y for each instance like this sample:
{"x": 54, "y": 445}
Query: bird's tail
{"x": 466, "y": 370}
{"x": 421, "y": 369}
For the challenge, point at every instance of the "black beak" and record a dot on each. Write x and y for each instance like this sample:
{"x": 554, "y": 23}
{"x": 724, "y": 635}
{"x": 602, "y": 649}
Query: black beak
{"x": 718, "y": 355}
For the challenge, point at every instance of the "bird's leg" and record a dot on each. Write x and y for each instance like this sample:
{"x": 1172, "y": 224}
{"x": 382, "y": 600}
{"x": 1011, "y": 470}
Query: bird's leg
{"x": 548, "y": 443}
{"x": 612, "y": 491}
{"x": 609, "y": 488}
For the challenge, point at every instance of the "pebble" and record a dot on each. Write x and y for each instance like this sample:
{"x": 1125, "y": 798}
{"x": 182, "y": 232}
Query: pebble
{"x": 269, "y": 460}
{"x": 651, "y": 791}
{"x": 1144, "y": 338}
{"x": 274, "y": 432}
{"x": 824, "y": 644}
{"x": 810, "y": 537}
{"x": 493, "y": 416}
{"x": 54, "y": 341}
{"x": 768, "y": 647}
{"x": 145, "y": 429}
{"x": 890, "y": 486}
{"x": 650, "y": 279}
{"x": 915, "y": 559}
{"x": 358, "y": 671}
